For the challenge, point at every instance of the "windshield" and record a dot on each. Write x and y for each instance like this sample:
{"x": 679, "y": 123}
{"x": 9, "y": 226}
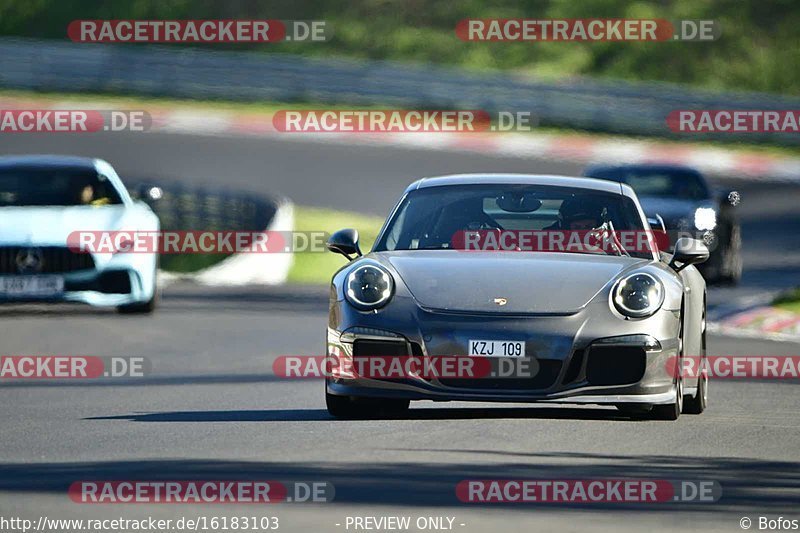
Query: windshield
{"x": 431, "y": 218}
{"x": 54, "y": 186}
{"x": 660, "y": 183}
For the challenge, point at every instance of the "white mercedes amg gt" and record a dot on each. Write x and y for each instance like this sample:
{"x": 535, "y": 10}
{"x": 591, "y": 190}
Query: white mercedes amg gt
{"x": 43, "y": 199}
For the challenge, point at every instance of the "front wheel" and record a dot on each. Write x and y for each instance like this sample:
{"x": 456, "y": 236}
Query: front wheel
{"x": 144, "y": 308}
{"x": 634, "y": 409}
{"x": 348, "y": 407}
{"x": 694, "y": 405}
{"x": 671, "y": 411}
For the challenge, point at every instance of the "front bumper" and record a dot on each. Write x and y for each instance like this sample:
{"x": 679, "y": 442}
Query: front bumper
{"x": 106, "y": 288}
{"x": 572, "y": 397}
{"x": 573, "y": 367}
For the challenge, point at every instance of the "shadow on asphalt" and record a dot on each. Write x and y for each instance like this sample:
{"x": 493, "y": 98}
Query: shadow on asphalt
{"x": 183, "y": 297}
{"x": 33, "y": 310}
{"x": 321, "y": 415}
{"x": 295, "y": 298}
{"x": 748, "y": 485}
{"x": 146, "y": 381}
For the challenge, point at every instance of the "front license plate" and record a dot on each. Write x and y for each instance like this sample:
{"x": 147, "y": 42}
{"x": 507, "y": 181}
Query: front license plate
{"x": 31, "y": 285}
{"x": 497, "y": 348}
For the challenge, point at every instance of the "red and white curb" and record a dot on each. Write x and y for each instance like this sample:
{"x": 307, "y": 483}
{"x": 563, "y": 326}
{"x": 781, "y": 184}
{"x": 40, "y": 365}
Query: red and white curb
{"x": 577, "y": 148}
{"x": 763, "y": 322}
{"x": 583, "y": 149}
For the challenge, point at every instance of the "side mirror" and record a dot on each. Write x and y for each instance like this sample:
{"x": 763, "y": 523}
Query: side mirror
{"x": 688, "y": 252}
{"x": 345, "y": 242}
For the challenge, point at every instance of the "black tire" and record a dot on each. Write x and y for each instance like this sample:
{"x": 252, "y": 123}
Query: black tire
{"x": 634, "y": 409}
{"x": 671, "y": 411}
{"x": 341, "y": 406}
{"x": 347, "y": 407}
{"x": 143, "y": 308}
{"x": 694, "y": 405}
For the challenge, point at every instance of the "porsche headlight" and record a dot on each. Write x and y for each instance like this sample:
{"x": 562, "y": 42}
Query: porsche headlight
{"x": 369, "y": 286}
{"x": 705, "y": 218}
{"x": 638, "y": 295}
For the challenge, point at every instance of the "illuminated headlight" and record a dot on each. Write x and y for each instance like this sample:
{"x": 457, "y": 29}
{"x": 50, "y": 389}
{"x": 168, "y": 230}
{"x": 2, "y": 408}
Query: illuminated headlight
{"x": 638, "y": 295}
{"x": 705, "y": 218}
{"x": 369, "y": 286}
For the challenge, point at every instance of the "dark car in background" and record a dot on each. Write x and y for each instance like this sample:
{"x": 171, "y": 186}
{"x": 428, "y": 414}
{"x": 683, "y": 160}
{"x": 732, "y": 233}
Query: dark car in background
{"x": 681, "y": 197}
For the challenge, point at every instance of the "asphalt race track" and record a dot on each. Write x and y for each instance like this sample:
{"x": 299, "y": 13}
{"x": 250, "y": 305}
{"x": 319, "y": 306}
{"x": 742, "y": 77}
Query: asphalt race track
{"x": 212, "y": 409}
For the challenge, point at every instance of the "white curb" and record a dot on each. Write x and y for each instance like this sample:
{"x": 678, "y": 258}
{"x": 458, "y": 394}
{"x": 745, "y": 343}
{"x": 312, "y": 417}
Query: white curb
{"x": 246, "y": 268}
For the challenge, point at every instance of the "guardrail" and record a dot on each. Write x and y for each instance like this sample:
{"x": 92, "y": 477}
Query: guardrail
{"x": 182, "y": 208}
{"x": 616, "y": 107}
{"x": 192, "y": 208}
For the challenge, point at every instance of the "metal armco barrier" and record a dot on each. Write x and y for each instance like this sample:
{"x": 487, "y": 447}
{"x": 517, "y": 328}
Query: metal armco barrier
{"x": 190, "y": 208}
{"x": 183, "y": 208}
{"x": 616, "y": 107}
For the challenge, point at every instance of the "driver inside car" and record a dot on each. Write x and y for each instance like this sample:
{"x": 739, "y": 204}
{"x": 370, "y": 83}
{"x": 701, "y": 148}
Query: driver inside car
{"x": 463, "y": 215}
{"x": 578, "y": 214}
{"x": 87, "y": 197}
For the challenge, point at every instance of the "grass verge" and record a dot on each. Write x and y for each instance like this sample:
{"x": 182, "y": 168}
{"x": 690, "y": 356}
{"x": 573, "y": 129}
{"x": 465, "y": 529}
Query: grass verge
{"x": 317, "y": 267}
{"x": 309, "y": 266}
{"x": 789, "y": 301}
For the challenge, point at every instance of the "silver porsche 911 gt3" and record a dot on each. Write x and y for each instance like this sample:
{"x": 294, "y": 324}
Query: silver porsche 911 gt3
{"x": 600, "y": 324}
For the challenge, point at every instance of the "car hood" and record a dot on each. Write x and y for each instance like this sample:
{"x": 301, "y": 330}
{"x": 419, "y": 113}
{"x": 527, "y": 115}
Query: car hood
{"x": 52, "y": 225}
{"x": 531, "y": 283}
